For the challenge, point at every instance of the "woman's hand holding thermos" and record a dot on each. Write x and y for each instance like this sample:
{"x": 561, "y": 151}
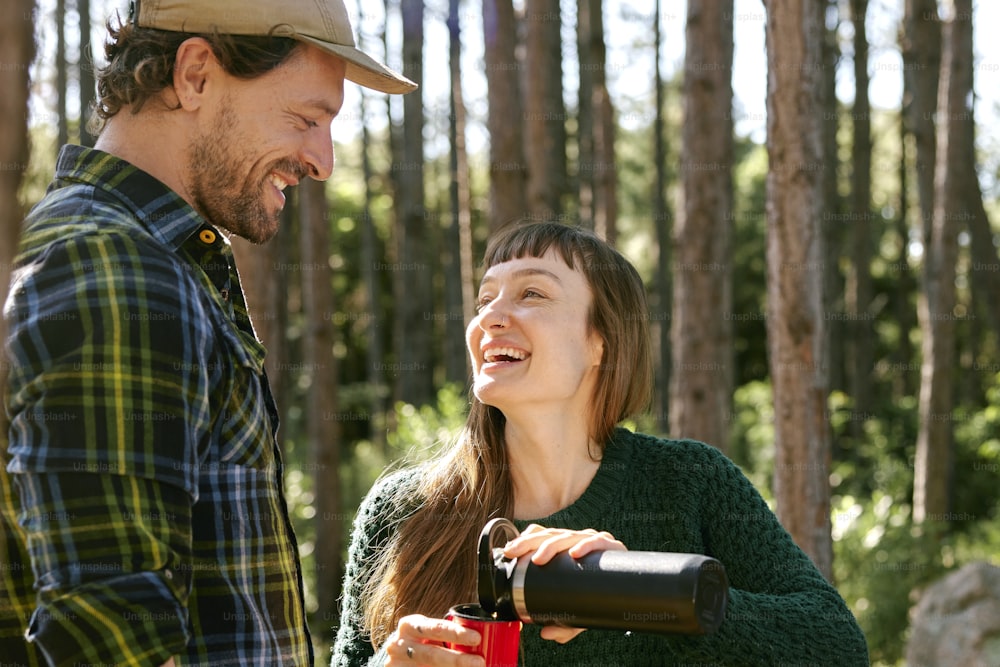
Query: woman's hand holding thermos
{"x": 423, "y": 640}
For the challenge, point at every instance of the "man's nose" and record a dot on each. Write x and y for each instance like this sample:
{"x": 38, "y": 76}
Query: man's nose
{"x": 318, "y": 153}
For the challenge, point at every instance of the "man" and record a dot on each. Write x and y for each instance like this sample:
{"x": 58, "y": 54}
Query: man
{"x": 144, "y": 520}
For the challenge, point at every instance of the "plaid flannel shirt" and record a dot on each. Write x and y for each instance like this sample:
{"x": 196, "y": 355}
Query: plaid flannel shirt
{"x": 142, "y": 497}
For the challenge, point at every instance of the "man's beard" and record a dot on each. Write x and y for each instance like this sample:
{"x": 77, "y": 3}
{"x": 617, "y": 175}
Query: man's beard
{"x": 219, "y": 194}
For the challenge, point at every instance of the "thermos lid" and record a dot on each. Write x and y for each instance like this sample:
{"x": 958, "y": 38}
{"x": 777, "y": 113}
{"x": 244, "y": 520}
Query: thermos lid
{"x": 495, "y": 569}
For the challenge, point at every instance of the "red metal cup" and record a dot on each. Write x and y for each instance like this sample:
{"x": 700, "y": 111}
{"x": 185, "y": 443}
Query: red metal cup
{"x": 501, "y": 639}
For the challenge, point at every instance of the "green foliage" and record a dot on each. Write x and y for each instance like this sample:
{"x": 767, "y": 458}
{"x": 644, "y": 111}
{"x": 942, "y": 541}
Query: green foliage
{"x": 881, "y": 559}
{"x": 752, "y": 442}
{"x": 421, "y": 431}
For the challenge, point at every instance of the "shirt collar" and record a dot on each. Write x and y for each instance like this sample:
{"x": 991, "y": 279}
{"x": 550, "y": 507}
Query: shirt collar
{"x": 160, "y": 210}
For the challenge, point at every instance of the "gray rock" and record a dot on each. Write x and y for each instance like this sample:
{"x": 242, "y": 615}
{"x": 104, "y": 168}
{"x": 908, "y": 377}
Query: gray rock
{"x": 957, "y": 620}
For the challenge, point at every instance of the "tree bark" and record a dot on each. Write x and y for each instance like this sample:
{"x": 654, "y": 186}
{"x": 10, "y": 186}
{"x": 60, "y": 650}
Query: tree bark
{"x": 936, "y": 305}
{"x": 859, "y": 280}
{"x": 62, "y": 123}
{"x": 545, "y": 113}
{"x": 508, "y": 171}
{"x": 905, "y": 287}
{"x": 605, "y": 171}
{"x": 17, "y": 50}
{"x": 663, "y": 229}
{"x": 796, "y": 329}
{"x": 458, "y": 250}
{"x": 702, "y": 371}
{"x": 833, "y": 230}
{"x": 921, "y": 66}
{"x": 596, "y": 182}
{"x": 319, "y": 364}
{"x": 586, "y": 95}
{"x": 87, "y": 84}
{"x": 369, "y": 253}
{"x": 413, "y": 274}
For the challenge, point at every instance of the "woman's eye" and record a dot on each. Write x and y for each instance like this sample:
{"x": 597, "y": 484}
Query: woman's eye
{"x": 482, "y": 302}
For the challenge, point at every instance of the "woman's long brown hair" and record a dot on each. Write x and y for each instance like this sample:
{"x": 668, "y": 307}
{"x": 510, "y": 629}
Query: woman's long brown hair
{"x": 430, "y": 564}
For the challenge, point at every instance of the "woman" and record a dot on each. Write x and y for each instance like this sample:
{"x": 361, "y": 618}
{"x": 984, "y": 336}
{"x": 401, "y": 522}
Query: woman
{"x": 560, "y": 356}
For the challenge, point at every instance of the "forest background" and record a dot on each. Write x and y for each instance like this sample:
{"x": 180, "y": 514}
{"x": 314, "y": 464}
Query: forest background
{"x": 820, "y": 249}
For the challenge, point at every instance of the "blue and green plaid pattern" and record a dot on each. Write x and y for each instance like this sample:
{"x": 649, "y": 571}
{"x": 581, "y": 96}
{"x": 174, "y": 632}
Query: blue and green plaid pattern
{"x": 142, "y": 506}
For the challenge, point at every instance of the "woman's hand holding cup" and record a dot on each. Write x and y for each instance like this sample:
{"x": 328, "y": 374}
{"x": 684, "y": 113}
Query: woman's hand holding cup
{"x": 421, "y": 640}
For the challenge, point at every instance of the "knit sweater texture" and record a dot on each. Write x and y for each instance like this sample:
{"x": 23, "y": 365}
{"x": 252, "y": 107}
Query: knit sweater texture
{"x": 659, "y": 495}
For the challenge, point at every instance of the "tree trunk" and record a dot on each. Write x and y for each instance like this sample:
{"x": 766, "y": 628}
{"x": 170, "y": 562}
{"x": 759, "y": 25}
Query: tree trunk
{"x": 458, "y": 293}
{"x": 17, "y": 50}
{"x": 936, "y": 305}
{"x": 795, "y": 318}
{"x": 858, "y": 291}
{"x": 369, "y": 253}
{"x": 902, "y": 355}
{"x": 921, "y": 64}
{"x": 545, "y": 113}
{"x": 413, "y": 274}
{"x": 702, "y": 371}
{"x": 586, "y": 95}
{"x": 87, "y": 89}
{"x": 508, "y": 171}
{"x": 320, "y": 366}
{"x": 605, "y": 172}
{"x": 62, "y": 131}
{"x": 661, "y": 221}
{"x": 833, "y": 229}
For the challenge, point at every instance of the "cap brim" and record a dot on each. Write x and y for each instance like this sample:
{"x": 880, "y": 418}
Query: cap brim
{"x": 364, "y": 70}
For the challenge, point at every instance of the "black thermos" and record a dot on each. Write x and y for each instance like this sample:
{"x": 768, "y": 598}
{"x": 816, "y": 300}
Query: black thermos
{"x": 643, "y": 591}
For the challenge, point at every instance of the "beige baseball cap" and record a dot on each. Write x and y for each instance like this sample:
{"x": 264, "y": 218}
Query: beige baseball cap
{"x": 323, "y": 23}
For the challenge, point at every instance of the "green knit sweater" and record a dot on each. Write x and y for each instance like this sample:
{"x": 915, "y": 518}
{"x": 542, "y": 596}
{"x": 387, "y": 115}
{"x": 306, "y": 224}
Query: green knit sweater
{"x": 662, "y": 495}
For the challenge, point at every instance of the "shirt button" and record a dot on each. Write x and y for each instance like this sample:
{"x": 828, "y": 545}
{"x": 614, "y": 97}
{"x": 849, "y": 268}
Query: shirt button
{"x": 207, "y": 236}
{"x": 168, "y": 574}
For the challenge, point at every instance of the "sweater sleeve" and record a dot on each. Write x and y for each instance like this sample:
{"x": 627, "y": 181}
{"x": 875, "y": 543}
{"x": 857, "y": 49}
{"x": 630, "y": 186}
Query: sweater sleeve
{"x": 781, "y": 609}
{"x": 373, "y": 527}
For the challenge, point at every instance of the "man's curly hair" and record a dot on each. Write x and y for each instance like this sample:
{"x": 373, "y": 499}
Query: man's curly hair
{"x": 141, "y": 64}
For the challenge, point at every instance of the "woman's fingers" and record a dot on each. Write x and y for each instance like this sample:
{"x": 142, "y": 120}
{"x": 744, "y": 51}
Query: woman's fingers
{"x": 545, "y": 543}
{"x": 419, "y": 640}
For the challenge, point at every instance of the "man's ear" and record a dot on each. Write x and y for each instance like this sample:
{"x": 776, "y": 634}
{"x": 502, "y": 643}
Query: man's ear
{"x": 194, "y": 68}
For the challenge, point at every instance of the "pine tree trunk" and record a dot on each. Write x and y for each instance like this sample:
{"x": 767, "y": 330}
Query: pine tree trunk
{"x": 545, "y": 113}
{"x": 902, "y": 356}
{"x": 87, "y": 90}
{"x": 605, "y": 171}
{"x": 17, "y": 49}
{"x": 62, "y": 131}
{"x": 859, "y": 282}
{"x": 320, "y": 365}
{"x": 458, "y": 250}
{"x": 508, "y": 170}
{"x": 586, "y": 94}
{"x": 797, "y": 343}
{"x": 921, "y": 64}
{"x": 413, "y": 274}
{"x": 833, "y": 230}
{"x": 661, "y": 311}
{"x": 702, "y": 370}
{"x": 936, "y": 305}
{"x": 373, "y": 324}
